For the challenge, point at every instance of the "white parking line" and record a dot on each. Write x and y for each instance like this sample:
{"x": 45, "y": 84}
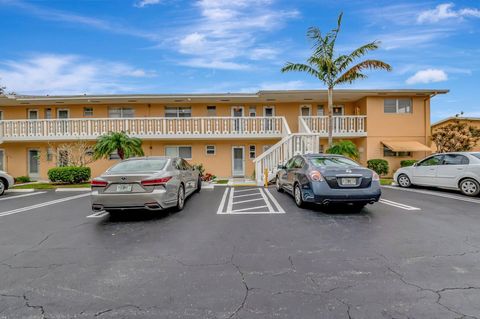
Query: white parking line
{"x": 99, "y": 214}
{"x": 435, "y": 193}
{"x": 398, "y": 205}
{"x": 264, "y": 201}
{"x": 23, "y": 195}
{"x": 32, "y": 207}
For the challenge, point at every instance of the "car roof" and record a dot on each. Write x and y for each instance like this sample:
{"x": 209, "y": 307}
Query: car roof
{"x": 322, "y": 154}
{"x": 149, "y": 158}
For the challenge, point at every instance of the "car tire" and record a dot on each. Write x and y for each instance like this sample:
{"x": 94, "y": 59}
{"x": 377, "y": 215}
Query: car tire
{"x": 199, "y": 185}
{"x": 404, "y": 181}
{"x": 278, "y": 186}
{"x": 297, "y": 196}
{"x": 180, "y": 198}
{"x": 3, "y": 187}
{"x": 469, "y": 187}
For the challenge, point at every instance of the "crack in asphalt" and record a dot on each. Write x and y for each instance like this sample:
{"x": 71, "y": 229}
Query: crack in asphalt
{"x": 349, "y": 307}
{"x": 39, "y": 307}
{"x": 29, "y": 248}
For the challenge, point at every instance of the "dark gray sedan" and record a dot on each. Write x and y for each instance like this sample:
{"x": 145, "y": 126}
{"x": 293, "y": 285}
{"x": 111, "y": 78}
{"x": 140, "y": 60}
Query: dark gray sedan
{"x": 152, "y": 183}
{"x": 326, "y": 179}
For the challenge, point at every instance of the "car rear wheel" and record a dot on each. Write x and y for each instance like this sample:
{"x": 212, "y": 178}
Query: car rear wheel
{"x": 404, "y": 181}
{"x": 2, "y": 187}
{"x": 469, "y": 187}
{"x": 199, "y": 185}
{"x": 297, "y": 195}
{"x": 278, "y": 186}
{"x": 180, "y": 198}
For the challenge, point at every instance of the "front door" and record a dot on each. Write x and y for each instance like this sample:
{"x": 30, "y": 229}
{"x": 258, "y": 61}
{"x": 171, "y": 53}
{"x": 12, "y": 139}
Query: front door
{"x": 63, "y": 114}
{"x": 33, "y": 163}
{"x": 237, "y": 111}
{"x": 238, "y": 161}
{"x": 453, "y": 166}
{"x": 268, "y": 111}
{"x": 425, "y": 172}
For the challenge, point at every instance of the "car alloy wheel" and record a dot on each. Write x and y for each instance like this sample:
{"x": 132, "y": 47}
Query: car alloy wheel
{"x": 2, "y": 187}
{"x": 470, "y": 187}
{"x": 180, "y": 198}
{"x": 297, "y": 194}
{"x": 404, "y": 181}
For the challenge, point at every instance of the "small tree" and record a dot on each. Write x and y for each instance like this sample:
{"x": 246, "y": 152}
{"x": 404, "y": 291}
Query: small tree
{"x": 119, "y": 142}
{"x": 455, "y": 137}
{"x": 345, "y": 148}
{"x": 77, "y": 154}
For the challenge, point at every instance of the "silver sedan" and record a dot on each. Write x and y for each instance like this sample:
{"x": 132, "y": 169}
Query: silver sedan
{"x": 152, "y": 183}
{"x": 6, "y": 181}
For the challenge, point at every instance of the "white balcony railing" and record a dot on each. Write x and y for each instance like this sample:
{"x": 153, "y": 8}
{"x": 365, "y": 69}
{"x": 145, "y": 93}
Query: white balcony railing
{"x": 343, "y": 126}
{"x": 147, "y": 128}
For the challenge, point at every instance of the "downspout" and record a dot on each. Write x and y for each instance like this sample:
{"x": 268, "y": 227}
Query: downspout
{"x": 425, "y": 117}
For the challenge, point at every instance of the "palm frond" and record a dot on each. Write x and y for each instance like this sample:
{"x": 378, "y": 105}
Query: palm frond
{"x": 299, "y": 67}
{"x": 355, "y": 72}
{"x": 343, "y": 61}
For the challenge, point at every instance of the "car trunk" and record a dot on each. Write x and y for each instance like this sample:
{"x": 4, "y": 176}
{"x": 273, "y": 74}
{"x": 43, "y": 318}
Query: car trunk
{"x": 347, "y": 177}
{"x": 119, "y": 182}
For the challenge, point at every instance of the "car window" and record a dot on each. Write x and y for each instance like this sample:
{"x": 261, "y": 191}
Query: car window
{"x": 291, "y": 163}
{"x": 299, "y": 162}
{"x": 332, "y": 161}
{"x": 186, "y": 166}
{"x": 431, "y": 161}
{"x": 477, "y": 155}
{"x": 139, "y": 166}
{"x": 179, "y": 164}
{"x": 455, "y": 159}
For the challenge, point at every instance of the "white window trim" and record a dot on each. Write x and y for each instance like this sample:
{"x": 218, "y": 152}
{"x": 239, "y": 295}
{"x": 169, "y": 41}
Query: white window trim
{"x": 265, "y": 107}
{"x": 339, "y": 106}
{"x": 59, "y": 110}
{"x": 177, "y": 146}
{"x": 309, "y": 106}
{"x": 33, "y": 110}
{"x": 214, "y": 150}
{"x": 87, "y": 107}
{"x": 249, "y": 146}
{"x": 238, "y": 107}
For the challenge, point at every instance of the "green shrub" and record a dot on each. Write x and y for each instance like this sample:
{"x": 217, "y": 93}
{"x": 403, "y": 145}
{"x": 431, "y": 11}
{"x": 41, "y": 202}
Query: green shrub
{"x": 380, "y": 166}
{"x": 406, "y": 163}
{"x": 69, "y": 174}
{"x": 22, "y": 179}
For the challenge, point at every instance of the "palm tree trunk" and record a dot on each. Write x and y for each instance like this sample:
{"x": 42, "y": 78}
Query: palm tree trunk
{"x": 330, "y": 117}
{"x": 121, "y": 154}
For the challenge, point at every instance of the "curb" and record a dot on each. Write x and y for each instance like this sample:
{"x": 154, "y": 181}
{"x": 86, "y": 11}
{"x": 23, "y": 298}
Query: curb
{"x": 13, "y": 190}
{"x": 80, "y": 189}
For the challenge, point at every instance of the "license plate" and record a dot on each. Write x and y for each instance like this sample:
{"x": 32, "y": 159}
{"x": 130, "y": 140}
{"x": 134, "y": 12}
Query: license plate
{"x": 349, "y": 181}
{"x": 123, "y": 188}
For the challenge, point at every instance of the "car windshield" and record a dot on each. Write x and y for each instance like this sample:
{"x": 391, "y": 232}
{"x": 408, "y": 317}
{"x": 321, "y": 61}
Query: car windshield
{"x": 477, "y": 155}
{"x": 139, "y": 166}
{"x": 332, "y": 161}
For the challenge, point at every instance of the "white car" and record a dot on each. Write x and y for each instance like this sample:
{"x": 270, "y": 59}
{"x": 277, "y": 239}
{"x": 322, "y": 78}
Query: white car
{"x": 6, "y": 181}
{"x": 456, "y": 170}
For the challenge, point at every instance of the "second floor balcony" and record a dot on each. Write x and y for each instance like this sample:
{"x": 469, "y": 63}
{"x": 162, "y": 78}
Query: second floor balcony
{"x": 145, "y": 128}
{"x": 343, "y": 126}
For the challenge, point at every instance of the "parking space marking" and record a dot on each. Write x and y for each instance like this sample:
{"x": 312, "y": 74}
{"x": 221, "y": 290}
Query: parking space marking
{"x": 32, "y": 207}
{"x": 263, "y": 201}
{"x": 99, "y": 214}
{"x": 435, "y": 193}
{"x": 398, "y": 205}
{"x": 23, "y": 195}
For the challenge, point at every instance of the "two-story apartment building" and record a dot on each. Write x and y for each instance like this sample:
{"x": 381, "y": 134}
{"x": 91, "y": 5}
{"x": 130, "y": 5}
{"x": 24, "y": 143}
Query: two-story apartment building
{"x": 230, "y": 134}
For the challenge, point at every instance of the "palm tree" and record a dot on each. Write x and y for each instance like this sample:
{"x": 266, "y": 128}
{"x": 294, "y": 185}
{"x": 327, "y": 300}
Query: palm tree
{"x": 119, "y": 142}
{"x": 333, "y": 69}
{"x": 345, "y": 148}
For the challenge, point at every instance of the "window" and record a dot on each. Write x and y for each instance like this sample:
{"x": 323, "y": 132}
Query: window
{"x": 2, "y": 160}
{"x": 252, "y": 111}
{"x": 62, "y": 158}
{"x": 305, "y": 110}
{"x": 50, "y": 154}
{"x": 210, "y": 149}
{"x": 299, "y": 162}
{"x": 389, "y": 153}
{"x": 431, "y": 161}
{"x": 252, "y": 151}
{"x": 320, "y": 111}
{"x": 477, "y": 155}
{"x": 397, "y": 106}
{"x": 338, "y": 110}
{"x": 332, "y": 161}
{"x": 88, "y": 111}
{"x": 268, "y": 111}
{"x": 455, "y": 159}
{"x": 178, "y": 111}
{"x": 291, "y": 163}
{"x": 211, "y": 110}
{"x": 187, "y": 166}
{"x": 48, "y": 113}
{"x": 121, "y": 112}
{"x": 179, "y": 151}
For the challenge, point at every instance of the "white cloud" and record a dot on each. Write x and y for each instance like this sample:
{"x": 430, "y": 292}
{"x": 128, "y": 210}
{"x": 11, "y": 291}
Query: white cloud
{"x": 428, "y": 76}
{"x": 68, "y": 74}
{"x": 446, "y": 11}
{"x": 144, "y": 3}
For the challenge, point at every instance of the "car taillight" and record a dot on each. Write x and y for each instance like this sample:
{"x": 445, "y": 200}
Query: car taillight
{"x": 156, "y": 181}
{"x": 316, "y": 176}
{"x": 98, "y": 183}
{"x": 375, "y": 177}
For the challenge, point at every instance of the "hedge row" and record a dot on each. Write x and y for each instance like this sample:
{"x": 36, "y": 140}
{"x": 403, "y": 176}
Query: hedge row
{"x": 69, "y": 174}
{"x": 380, "y": 166}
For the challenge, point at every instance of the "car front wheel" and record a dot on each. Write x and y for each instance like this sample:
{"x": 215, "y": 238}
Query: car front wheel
{"x": 469, "y": 187}
{"x": 297, "y": 194}
{"x": 404, "y": 181}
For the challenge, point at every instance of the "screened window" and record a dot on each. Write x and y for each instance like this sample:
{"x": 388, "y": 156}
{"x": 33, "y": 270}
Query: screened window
{"x": 455, "y": 159}
{"x": 178, "y": 111}
{"x": 2, "y": 160}
{"x": 397, "y": 106}
{"x": 211, "y": 110}
{"x": 252, "y": 151}
{"x": 121, "y": 112}
{"x": 210, "y": 149}
{"x": 179, "y": 151}
{"x": 389, "y": 153}
{"x": 88, "y": 111}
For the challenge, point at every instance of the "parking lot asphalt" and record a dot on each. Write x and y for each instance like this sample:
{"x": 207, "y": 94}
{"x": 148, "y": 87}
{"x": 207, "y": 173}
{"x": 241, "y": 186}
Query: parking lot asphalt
{"x": 413, "y": 255}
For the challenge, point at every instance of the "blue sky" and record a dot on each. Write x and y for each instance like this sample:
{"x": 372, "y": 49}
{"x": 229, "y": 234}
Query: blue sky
{"x": 169, "y": 46}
